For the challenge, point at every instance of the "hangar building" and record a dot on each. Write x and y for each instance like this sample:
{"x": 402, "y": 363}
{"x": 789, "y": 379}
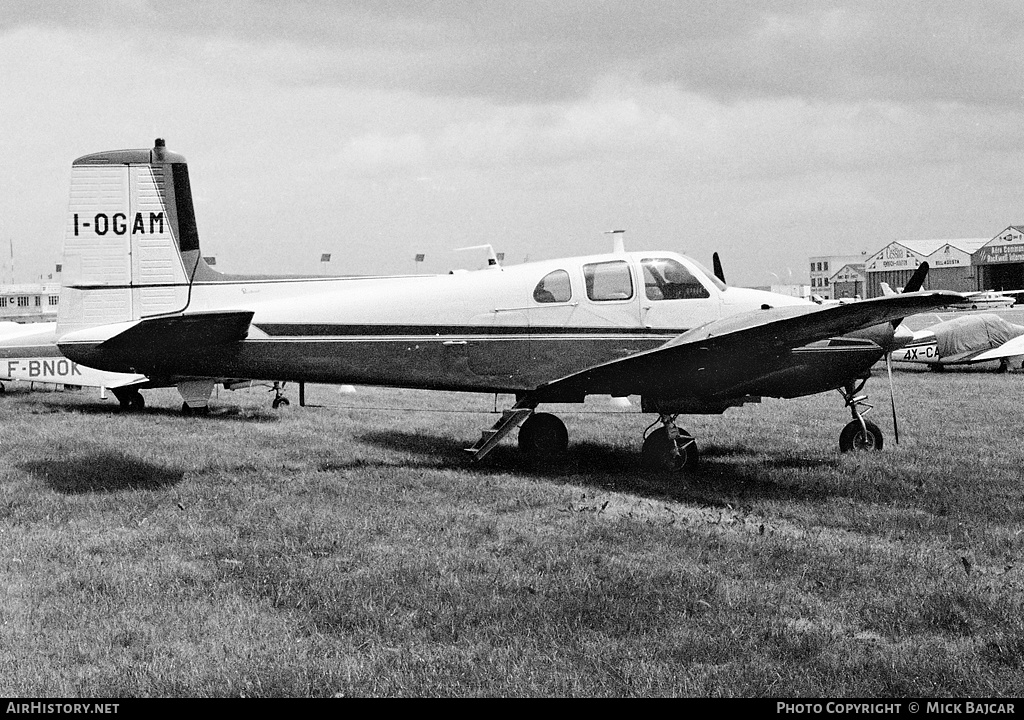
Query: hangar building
{"x": 950, "y": 262}
{"x": 1000, "y": 261}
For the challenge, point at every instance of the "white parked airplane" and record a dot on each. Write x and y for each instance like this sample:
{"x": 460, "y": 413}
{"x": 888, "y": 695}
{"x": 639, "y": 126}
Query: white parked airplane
{"x": 28, "y": 352}
{"x": 987, "y": 300}
{"x": 138, "y": 298}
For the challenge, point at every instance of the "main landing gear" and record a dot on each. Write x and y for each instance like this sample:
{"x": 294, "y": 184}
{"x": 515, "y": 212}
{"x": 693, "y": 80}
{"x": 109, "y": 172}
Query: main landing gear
{"x": 543, "y": 437}
{"x": 859, "y": 434}
{"x": 130, "y": 399}
{"x": 279, "y": 398}
{"x": 668, "y": 448}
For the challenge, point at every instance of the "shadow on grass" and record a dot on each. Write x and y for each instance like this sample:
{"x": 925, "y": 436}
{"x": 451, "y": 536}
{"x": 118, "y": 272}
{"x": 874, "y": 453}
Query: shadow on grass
{"x": 100, "y": 472}
{"x": 723, "y": 471}
{"x": 215, "y": 412}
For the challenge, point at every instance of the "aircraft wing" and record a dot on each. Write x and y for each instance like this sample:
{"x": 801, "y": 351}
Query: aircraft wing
{"x": 723, "y": 355}
{"x": 1010, "y": 348}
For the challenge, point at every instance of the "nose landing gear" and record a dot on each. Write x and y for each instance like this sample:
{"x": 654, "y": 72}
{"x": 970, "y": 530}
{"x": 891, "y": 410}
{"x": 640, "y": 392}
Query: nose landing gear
{"x": 859, "y": 434}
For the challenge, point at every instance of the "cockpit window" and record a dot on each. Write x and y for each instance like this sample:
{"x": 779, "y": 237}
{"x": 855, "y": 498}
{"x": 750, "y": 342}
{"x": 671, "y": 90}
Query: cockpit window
{"x": 668, "y": 279}
{"x": 553, "y": 288}
{"x": 608, "y": 280}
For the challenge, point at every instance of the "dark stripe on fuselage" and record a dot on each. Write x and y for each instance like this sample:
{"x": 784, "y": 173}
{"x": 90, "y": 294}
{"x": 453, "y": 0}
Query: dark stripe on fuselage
{"x": 420, "y": 331}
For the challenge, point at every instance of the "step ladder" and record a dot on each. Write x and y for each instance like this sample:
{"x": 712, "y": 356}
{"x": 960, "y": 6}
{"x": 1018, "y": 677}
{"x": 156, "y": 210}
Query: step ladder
{"x": 509, "y": 421}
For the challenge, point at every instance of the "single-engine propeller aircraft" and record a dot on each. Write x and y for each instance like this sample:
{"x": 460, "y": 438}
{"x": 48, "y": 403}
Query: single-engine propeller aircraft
{"x": 28, "y": 353}
{"x": 966, "y": 340}
{"x": 137, "y": 297}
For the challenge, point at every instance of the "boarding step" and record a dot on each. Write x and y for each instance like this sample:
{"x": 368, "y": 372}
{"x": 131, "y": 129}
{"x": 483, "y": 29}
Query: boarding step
{"x": 510, "y": 420}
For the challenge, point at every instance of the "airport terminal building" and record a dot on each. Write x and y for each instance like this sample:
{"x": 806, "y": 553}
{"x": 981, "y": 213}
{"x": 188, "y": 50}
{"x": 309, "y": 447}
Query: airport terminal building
{"x": 29, "y": 302}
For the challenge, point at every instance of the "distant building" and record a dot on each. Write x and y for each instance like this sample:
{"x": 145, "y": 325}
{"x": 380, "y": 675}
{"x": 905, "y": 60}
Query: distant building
{"x": 849, "y": 282}
{"x": 949, "y": 261}
{"x": 1000, "y": 261}
{"x": 824, "y": 267}
{"x": 29, "y": 302}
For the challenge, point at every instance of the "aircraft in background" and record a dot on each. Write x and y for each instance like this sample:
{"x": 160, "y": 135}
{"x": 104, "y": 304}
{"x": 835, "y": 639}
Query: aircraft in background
{"x": 28, "y": 353}
{"x": 987, "y": 300}
{"x": 965, "y": 341}
{"x": 139, "y": 298}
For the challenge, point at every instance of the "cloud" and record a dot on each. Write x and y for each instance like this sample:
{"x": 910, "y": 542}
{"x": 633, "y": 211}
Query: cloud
{"x": 537, "y": 52}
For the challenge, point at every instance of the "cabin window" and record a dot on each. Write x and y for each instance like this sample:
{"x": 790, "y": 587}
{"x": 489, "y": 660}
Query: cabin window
{"x": 667, "y": 279}
{"x": 608, "y": 280}
{"x": 23, "y": 301}
{"x": 553, "y": 288}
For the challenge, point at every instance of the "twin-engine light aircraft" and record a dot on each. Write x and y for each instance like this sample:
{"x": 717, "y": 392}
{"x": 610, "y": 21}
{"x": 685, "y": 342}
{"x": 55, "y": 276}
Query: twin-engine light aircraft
{"x": 138, "y": 298}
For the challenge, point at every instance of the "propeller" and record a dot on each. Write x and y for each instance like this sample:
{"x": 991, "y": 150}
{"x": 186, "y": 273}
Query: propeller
{"x": 913, "y": 285}
{"x": 892, "y": 398}
{"x": 717, "y": 263}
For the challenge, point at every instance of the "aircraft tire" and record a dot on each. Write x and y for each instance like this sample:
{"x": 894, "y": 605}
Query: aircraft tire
{"x": 187, "y": 409}
{"x": 543, "y": 436}
{"x": 137, "y": 402}
{"x": 661, "y": 454}
{"x": 853, "y": 438}
{"x": 278, "y": 402}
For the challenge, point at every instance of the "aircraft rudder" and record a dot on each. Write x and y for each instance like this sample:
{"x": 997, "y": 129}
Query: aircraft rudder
{"x": 130, "y": 242}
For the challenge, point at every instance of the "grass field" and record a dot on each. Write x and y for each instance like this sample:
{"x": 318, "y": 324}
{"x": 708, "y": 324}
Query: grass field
{"x": 350, "y": 549}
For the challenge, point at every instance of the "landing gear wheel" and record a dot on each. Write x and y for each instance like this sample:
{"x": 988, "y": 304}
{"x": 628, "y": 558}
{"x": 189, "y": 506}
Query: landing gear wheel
{"x": 853, "y": 437}
{"x": 278, "y": 402}
{"x": 130, "y": 399}
{"x": 661, "y": 453}
{"x": 543, "y": 436}
{"x": 187, "y": 409}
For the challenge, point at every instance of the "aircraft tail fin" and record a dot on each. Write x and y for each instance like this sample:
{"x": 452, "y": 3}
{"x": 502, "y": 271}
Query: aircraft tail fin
{"x": 131, "y": 247}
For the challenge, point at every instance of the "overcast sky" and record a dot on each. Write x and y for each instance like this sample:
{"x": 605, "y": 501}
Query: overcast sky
{"x": 377, "y": 130}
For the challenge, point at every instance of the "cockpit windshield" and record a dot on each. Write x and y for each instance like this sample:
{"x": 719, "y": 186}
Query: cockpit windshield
{"x": 669, "y": 279}
{"x": 708, "y": 274}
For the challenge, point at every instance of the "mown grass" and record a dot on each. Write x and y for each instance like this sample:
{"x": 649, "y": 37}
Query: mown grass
{"x": 351, "y": 550}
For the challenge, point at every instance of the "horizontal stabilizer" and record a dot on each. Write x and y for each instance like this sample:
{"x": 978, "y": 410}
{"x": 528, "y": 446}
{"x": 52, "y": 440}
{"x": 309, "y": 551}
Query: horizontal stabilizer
{"x": 1011, "y": 348}
{"x": 193, "y": 331}
{"x": 154, "y": 343}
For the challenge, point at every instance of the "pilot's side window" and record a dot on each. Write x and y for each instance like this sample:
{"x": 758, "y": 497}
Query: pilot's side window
{"x": 608, "y": 280}
{"x": 553, "y": 288}
{"x": 668, "y": 279}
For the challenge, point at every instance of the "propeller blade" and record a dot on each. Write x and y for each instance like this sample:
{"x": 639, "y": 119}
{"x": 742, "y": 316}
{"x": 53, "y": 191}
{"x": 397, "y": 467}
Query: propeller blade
{"x": 914, "y": 284}
{"x": 892, "y": 398}
{"x": 717, "y": 262}
{"x": 917, "y": 279}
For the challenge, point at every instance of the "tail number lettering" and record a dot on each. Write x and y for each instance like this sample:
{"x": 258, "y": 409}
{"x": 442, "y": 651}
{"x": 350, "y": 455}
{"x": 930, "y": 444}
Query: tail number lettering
{"x": 101, "y": 224}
